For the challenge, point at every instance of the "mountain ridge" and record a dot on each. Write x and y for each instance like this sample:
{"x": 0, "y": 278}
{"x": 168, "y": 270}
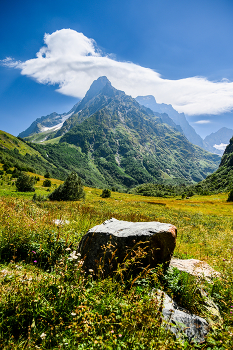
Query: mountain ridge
{"x": 123, "y": 143}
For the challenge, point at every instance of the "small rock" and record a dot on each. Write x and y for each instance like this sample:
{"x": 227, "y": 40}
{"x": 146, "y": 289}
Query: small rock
{"x": 179, "y": 321}
{"x": 195, "y": 267}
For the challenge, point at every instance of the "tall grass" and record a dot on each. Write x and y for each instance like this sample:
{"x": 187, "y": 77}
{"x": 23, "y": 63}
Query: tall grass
{"x": 47, "y": 302}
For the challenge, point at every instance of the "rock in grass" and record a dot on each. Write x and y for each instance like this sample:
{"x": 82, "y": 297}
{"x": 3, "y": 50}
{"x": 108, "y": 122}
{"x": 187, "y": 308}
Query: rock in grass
{"x": 195, "y": 267}
{"x": 202, "y": 271}
{"x": 179, "y": 321}
{"x": 135, "y": 244}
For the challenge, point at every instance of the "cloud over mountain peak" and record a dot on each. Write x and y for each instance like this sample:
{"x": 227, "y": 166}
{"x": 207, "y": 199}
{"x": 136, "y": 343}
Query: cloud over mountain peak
{"x": 73, "y": 61}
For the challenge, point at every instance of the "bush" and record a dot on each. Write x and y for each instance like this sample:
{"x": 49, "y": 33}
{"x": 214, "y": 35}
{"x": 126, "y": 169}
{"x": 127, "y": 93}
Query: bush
{"x": 47, "y": 175}
{"x": 70, "y": 190}
{"x": 25, "y": 183}
{"x": 47, "y": 183}
{"x": 230, "y": 196}
{"x": 106, "y": 193}
{"x": 38, "y": 198}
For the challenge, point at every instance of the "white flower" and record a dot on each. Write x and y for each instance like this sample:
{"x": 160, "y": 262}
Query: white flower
{"x": 73, "y": 256}
{"x": 73, "y": 314}
{"x": 43, "y": 336}
{"x": 67, "y": 249}
{"x": 90, "y": 270}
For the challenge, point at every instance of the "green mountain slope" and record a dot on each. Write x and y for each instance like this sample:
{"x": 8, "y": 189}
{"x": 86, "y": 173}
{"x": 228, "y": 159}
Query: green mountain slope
{"x": 18, "y": 153}
{"x": 130, "y": 144}
{"x": 222, "y": 179}
{"x": 111, "y": 140}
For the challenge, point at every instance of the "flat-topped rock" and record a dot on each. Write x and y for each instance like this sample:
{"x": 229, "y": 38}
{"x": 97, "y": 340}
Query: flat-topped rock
{"x": 115, "y": 241}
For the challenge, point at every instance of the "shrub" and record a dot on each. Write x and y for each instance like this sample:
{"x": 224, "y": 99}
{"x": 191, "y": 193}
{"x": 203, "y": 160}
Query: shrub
{"x": 70, "y": 190}
{"x": 25, "y": 183}
{"x": 106, "y": 193}
{"x": 47, "y": 183}
{"x": 230, "y": 196}
{"x": 47, "y": 175}
{"x": 38, "y": 198}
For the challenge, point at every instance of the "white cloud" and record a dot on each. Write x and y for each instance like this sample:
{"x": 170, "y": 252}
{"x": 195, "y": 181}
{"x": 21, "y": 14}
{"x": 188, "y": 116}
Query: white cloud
{"x": 9, "y": 62}
{"x": 73, "y": 61}
{"x": 202, "y": 122}
{"x": 221, "y": 147}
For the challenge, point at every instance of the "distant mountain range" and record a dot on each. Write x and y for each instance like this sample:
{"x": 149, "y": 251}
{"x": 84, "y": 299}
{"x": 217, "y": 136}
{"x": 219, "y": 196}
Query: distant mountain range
{"x": 219, "y": 139}
{"x": 222, "y": 179}
{"x": 215, "y": 142}
{"x": 109, "y": 138}
{"x": 54, "y": 125}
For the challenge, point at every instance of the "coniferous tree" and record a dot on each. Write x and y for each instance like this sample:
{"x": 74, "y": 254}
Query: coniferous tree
{"x": 47, "y": 183}
{"x": 230, "y": 196}
{"x": 70, "y": 190}
{"x": 106, "y": 193}
{"x": 25, "y": 183}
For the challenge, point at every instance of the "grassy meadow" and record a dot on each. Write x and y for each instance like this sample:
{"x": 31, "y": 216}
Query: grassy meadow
{"x": 47, "y": 302}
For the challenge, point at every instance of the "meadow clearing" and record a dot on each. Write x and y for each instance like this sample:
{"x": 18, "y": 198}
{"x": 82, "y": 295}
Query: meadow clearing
{"x": 46, "y": 302}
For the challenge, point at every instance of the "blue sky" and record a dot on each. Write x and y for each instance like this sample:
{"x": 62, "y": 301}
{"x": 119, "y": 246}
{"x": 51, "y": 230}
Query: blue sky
{"x": 180, "y": 51}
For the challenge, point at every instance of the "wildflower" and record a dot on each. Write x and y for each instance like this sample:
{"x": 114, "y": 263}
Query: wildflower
{"x": 90, "y": 270}
{"x": 73, "y": 256}
{"x": 33, "y": 252}
{"x": 67, "y": 249}
{"x": 43, "y": 336}
{"x": 120, "y": 335}
{"x": 35, "y": 261}
{"x": 73, "y": 314}
{"x": 112, "y": 331}
{"x": 223, "y": 259}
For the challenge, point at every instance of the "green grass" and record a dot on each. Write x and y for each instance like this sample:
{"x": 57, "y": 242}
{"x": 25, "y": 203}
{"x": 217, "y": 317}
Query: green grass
{"x": 43, "y": 292}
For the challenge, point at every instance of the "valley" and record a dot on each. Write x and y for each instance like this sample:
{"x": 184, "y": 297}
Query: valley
{"x": 152, "y": 172}
{"x": 42, "y": 292}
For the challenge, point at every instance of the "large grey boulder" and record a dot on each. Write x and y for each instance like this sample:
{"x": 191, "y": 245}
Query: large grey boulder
{"x": 179, "y": 320}
{"x": 114, "y": 242}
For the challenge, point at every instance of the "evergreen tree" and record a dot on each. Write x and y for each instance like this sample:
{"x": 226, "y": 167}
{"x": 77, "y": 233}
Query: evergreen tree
{"x": 47, "y": 183}
{"x": 70, "y": 190}
{"x": 47, "y": 175}
{"x": 25, "y": 183}
{"x": 106, "y": 193}
{"x": 230, "y": 196}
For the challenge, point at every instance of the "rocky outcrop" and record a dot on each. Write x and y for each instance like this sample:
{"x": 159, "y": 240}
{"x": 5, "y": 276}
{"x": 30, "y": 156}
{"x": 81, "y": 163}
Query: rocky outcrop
{"x": 139, "y": 244}
{"x": 180, "y": 321}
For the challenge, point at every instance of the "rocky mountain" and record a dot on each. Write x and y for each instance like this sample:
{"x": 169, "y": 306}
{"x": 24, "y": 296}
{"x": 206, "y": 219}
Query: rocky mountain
{"x": 178, "y": 118}
{"x": 46, "y": 128}
{"x": 113, "y": 140}
{"x": 222, "y": 179}
{"x": 219, "y": 139}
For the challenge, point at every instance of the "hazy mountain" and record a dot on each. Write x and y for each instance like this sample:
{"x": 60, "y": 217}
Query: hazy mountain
{"x": 219, "y": 139}
{"x": 178, "y": 118}
{"x": 222, "y": 179}
{"x": 122, "y": 143}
